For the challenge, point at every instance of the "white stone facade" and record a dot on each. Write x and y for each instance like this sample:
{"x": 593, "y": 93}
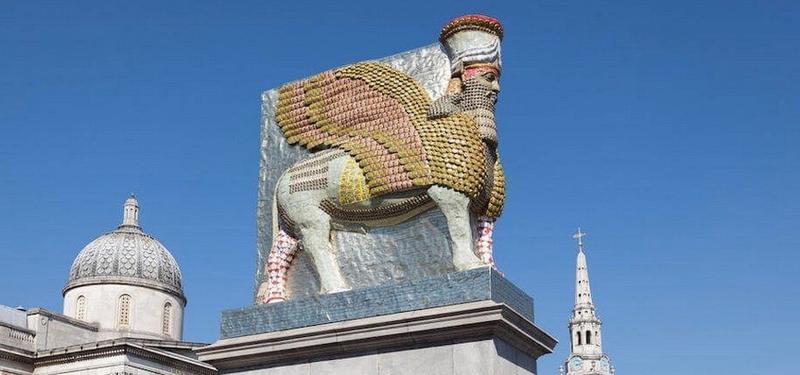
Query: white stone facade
{"x": 123, "y": 357}
{"x": 477, "y": 338}
{"x": 146, "y": 313}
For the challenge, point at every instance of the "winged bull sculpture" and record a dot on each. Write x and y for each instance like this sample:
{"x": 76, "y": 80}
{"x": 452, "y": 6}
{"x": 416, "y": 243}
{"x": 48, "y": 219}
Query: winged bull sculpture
{"x": 382, "y": 151}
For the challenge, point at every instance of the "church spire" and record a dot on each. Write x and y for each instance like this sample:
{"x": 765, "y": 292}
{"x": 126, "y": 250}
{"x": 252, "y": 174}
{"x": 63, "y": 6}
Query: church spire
{"x": 130, "y": 212}
{"x": 586, "y": 349}
{"x": 583, "y": 293}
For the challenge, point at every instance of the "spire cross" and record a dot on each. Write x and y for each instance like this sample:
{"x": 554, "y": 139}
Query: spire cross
{"x": 579, "y": 236}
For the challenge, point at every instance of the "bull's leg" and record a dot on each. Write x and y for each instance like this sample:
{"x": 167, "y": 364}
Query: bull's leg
{"x": 280, "y": 259}
{"x": 316, "y": 240}
{"x": 455, "y": 207}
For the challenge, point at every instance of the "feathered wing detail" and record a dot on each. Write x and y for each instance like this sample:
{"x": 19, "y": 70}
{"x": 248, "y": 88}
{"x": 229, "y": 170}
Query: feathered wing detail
{"x": 379, "y": 116}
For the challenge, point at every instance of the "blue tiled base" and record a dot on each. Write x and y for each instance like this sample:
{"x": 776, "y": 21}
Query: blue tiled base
{"x": 454, "y": 288}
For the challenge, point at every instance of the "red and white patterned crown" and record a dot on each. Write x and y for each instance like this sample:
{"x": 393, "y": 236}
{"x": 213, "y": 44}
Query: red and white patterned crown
{"x": 476, "y": 22}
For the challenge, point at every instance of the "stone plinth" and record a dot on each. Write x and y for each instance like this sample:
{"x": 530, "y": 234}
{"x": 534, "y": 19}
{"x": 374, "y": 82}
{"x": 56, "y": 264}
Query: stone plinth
{"x": 482, "y": 337}
{"x": 472, "y": 322}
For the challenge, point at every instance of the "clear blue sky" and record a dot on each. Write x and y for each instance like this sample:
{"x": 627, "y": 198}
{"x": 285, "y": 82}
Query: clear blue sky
{"x": 667, "y": 129}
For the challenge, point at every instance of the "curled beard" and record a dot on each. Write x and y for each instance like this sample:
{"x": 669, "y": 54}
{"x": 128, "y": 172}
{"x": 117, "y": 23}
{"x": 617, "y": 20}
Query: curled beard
{"x": 478, "y": 99}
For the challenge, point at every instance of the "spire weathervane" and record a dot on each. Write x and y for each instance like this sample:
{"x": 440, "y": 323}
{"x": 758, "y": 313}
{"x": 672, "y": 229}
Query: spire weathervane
{"x": 579, "y": 236}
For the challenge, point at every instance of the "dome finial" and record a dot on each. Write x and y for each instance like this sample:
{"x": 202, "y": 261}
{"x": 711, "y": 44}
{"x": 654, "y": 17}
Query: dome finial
{"x": 130, "y": 212}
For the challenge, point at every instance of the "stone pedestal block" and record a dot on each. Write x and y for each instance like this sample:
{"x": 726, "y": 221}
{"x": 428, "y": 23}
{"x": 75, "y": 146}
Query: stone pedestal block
{"x": 483, "y": 337}
{"x": 434, "y": 291}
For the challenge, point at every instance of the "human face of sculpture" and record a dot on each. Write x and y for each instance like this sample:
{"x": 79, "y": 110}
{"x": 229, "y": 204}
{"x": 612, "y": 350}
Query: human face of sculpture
{"x": 480, "y": 89}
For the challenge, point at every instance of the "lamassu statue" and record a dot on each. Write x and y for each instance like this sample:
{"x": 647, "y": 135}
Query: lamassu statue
{"x": 379, "y": 151}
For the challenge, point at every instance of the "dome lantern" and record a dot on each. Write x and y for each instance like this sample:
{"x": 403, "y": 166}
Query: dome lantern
{"x": 130, "y": 215}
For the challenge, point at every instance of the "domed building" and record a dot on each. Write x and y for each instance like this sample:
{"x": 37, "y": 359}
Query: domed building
{"x": 122, "y": 314}
{"x": 128, "y": 283}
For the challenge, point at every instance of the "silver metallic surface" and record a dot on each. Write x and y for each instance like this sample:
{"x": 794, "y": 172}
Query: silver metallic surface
{"x": 429, "y": 65}
{"x": 366, "y": 257}
{"x": 412, "y": 250}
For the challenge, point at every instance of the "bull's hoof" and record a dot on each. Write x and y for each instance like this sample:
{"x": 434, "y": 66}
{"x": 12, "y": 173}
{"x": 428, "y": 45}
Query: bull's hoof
{"x": 263, "y": 294}
{"x": 470, "y": 265}
{"x": 335, "y": 290}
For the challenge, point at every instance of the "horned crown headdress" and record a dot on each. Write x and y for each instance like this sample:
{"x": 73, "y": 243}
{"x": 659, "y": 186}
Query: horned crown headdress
{"x": 472, "y": 39}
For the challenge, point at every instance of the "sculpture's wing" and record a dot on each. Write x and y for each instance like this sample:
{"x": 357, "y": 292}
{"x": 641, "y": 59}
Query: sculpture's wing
{"x": 379, "y": 116}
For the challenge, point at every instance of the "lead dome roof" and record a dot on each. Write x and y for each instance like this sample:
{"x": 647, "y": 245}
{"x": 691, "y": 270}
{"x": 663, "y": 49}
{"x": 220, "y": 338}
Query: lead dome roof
{"x": 127, "y": 255}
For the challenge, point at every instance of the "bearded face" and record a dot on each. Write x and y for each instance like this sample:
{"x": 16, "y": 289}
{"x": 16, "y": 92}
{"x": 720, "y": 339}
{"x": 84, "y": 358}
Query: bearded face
{"x": 480, "y": 87}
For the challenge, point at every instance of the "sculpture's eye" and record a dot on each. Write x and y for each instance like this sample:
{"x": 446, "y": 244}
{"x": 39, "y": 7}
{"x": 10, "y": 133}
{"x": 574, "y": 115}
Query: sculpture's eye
{"x": 490, "y": 76}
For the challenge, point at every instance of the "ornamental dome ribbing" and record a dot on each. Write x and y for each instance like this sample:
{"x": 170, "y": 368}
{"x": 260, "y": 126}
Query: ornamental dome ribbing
{"x": 127, "y": 255}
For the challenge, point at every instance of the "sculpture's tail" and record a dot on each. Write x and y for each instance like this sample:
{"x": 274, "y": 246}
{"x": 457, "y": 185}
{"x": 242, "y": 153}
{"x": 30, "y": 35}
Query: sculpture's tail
{"x": 275, "y": 213}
